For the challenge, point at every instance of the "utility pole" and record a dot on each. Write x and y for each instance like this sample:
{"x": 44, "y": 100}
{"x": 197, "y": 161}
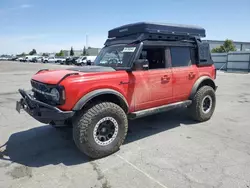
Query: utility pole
{"x": 87, "y": 42}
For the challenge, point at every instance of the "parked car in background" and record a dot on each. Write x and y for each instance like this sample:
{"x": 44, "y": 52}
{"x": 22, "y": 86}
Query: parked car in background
{"x": 40, "y": 59}
{"x": 71, "y": 60}
{"x": 13, "y": 58}
{"x": 80, "y": 60}
{"x": 33, "y": 60}
{"x": 21, "y": 59}
{"x": 3, "y": 58}
{"x": 85, "y": 60}
{"x": 30, "y": 58}
{"x": 54, "y": 60}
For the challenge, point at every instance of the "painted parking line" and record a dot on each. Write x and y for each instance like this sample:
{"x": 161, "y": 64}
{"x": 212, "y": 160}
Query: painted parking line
{"x": 135, "y": 167}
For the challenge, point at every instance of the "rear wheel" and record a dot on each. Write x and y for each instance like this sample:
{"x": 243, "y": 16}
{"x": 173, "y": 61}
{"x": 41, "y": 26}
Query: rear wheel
{"x": 203, "y": 104}
{"x": 100, "y": 130}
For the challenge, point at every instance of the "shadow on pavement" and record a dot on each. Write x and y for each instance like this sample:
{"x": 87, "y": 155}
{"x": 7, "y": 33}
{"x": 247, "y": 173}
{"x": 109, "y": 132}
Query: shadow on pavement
{"x": 150, "y": 125}
{"x": 41, "y": 146}
{"x": 44, "y": 145}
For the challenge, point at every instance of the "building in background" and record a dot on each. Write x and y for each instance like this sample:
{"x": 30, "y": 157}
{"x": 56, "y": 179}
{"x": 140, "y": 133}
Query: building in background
{"x": 89, "y": 51}
{"x": 240, "y": 46}
{"x": 93, "y": 51}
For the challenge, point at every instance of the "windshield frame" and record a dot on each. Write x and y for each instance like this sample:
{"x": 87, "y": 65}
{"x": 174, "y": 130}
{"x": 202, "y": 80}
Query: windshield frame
{"x": 130, "y": 61}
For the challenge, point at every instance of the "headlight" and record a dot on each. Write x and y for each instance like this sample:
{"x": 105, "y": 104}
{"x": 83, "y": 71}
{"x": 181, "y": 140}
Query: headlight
{"x": 55, "y": 94}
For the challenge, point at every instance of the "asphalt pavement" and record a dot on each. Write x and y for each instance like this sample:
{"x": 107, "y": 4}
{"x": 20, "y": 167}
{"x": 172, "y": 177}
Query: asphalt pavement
{"x": 161, "y": 151}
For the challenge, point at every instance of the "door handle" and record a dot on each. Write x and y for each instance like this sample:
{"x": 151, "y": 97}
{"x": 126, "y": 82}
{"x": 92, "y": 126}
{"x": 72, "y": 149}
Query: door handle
{"x": 165, "y": 78}
{"x": 121, "y": 82}
{"x": 191, "y": 75}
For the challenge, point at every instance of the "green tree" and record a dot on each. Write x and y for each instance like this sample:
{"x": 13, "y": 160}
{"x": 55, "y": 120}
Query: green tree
{"x": 84, "y": 51}
{"x": 71, "y": 52}
{"x": 228, "y": 46}
{"x": 32, "y": 52}
{"x": 60, "y": 54}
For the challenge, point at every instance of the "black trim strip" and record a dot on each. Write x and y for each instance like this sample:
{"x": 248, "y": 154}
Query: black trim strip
{"x": 159, "y": 109}
{"x": 67, "y": 75}
{"x": 42, "y": 70}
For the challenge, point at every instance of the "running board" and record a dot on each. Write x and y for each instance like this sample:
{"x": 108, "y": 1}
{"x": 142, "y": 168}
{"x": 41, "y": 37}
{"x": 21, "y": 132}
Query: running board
{"x": 159, "y": 109}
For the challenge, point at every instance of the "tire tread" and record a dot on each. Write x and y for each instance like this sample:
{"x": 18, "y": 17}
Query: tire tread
{"x": 195, "y": 108}
{"x": 84, "y": 119}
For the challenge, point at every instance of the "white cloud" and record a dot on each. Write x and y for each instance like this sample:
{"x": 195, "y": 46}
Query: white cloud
{"x": 10, "y": 9}
{"x": 25, "y": 6}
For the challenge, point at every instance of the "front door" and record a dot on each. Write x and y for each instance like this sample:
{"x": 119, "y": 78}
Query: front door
{"x": 185, "y": 72}
{"x": 153, "y": 87}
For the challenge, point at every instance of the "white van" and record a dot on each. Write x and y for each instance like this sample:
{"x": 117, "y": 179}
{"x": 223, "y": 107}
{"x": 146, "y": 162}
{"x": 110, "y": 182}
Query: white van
{"x": 85, "y": 60}
{"x": 30, "y": 58}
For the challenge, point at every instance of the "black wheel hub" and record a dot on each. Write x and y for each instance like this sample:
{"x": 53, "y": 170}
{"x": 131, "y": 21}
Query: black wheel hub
{"x": 207, "y": 103}
{"x": 105, "y": 131}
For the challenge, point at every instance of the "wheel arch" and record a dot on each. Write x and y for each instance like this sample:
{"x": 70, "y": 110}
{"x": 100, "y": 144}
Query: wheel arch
{"x": 109, "y": 95}
{"x": 202, "y": 81}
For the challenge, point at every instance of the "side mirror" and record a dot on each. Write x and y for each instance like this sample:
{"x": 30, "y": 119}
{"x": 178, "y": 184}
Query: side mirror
{"x": 141, "y": 64}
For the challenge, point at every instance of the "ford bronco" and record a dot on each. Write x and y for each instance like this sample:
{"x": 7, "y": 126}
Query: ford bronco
{"x": 143, "y": 69}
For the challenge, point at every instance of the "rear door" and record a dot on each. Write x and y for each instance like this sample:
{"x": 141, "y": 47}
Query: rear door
{"x": 184, "y": 70}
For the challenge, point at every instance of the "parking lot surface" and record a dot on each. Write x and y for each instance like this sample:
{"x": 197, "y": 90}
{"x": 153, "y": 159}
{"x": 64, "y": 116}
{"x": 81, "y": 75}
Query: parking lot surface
{"x": 161, "y": 151}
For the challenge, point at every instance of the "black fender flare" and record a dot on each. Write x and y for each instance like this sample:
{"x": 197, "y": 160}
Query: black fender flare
{"x": 86, "y": 98}
{"x": 199, "y": 82}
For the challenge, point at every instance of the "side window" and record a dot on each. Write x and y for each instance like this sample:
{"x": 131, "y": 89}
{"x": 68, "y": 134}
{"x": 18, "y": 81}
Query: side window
{"x": 194, "y": 56}
{"x": 180, "y": 56}
{"x": 155, "y": 57}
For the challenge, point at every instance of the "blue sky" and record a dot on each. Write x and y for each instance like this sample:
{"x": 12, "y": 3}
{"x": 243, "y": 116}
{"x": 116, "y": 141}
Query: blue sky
{"x": 51, "y": 25}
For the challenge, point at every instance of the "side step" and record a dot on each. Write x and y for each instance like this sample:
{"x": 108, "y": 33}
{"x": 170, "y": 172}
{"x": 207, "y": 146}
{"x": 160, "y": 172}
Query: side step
{"x": 159, "y": 109}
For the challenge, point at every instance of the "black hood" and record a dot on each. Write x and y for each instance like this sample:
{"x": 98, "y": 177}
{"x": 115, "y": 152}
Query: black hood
{"x": 92, "y": 69}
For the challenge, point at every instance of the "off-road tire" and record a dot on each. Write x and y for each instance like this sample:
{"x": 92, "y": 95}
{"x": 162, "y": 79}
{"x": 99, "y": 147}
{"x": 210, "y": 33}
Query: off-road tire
{"x": 83, "y": 129}
{"x": 195, "y": 109}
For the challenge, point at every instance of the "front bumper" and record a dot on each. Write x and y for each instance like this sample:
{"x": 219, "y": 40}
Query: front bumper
{"x": 41, "y": 111}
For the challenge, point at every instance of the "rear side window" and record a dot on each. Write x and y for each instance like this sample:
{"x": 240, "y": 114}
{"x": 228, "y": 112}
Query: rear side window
{"x": 180, "y": 56}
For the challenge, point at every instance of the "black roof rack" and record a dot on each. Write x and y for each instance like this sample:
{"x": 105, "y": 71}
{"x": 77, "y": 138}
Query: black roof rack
{"x": 157, "y": 28}
{"x": 145, "y": 36}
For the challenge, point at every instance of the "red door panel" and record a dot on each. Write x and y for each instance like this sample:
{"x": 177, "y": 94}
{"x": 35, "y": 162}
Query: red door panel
{"x": 152, "y": 88}
{"x": 183, "y": 81}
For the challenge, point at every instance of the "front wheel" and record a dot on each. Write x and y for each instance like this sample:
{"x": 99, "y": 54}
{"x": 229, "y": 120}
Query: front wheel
{"x": 203, "y": 104}
{"x": 100, "y": 130}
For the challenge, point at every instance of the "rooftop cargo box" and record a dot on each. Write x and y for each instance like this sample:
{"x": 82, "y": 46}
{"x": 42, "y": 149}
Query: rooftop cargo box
{"x": 156, "y": 28}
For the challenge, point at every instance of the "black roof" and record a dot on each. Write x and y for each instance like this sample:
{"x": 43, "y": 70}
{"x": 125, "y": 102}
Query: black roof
{"x": 157, "y": 28}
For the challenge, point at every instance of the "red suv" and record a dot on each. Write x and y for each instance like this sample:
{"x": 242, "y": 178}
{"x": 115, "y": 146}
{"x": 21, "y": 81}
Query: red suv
{"x": 143, "y": 69}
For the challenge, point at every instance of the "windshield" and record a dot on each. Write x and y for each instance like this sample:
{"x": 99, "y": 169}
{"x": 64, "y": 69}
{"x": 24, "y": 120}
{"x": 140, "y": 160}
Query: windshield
{"x": 116, "y": 55}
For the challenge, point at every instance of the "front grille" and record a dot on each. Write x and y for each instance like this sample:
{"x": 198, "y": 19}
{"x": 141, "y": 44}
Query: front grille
{"x": 42, "y": 92}
{"x": 41, "y": 86}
